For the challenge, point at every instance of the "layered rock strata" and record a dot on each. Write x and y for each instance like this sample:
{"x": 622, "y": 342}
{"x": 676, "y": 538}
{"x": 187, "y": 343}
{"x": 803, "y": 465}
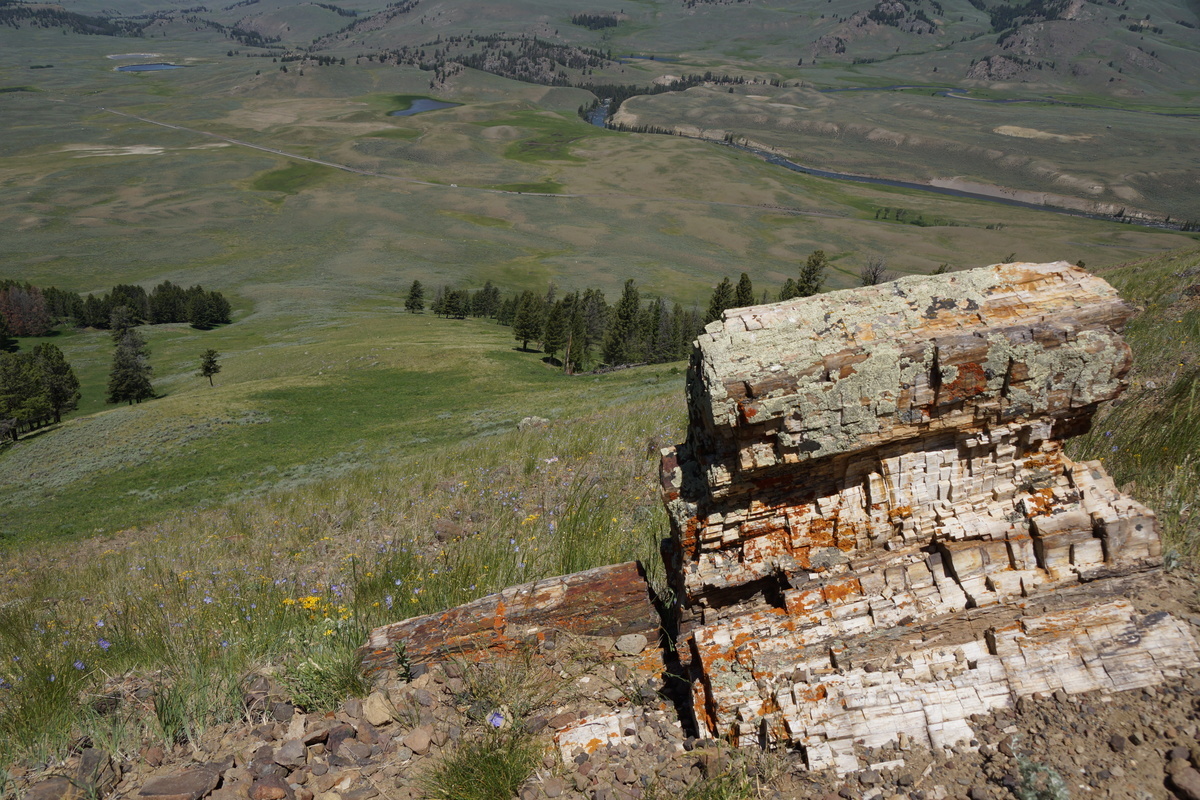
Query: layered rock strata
{"x": 875, "y": 531}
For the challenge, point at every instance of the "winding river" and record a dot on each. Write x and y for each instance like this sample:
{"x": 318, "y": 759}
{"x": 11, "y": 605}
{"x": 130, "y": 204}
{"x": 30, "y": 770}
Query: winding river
{"x": 599, "y": 118}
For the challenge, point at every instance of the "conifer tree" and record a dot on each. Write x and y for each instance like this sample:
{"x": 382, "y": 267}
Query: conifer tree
{"x": 121, "y": 321}
{"x": 812, "y": 274}
{"x": 595, "y": 318}
{"x": 527, "y": 325}
{"x": 621, "y": 342}
{"x": 554, "y": 336}
{"x": 201, "y": 313}
{"x": 744, "y": 294}
{"x": 23, "y": 399}
{"x": 416, "y": 298}
{"x": 789, "y": 289}
{"x": 57, "y": 379}
{"x": 722, "y": 298}
{"x": 575, "y": 355}
{"x": 129, "y": 379}
{"x": 209, "y": 365}
{"x": 5, "y": 341}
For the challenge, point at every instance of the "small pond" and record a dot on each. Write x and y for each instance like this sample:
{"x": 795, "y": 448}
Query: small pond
{"x": 423, "y": 104}
{"x": 148, "y": 67}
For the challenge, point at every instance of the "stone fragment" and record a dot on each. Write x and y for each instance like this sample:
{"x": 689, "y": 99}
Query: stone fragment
{"x": 418, "y": 740}
{"x": 188, "y": 784}
{"x": 378, "y": 710}
{"x": 153, "y": 755}
{"x": 97, "y": 774}
{"x": 55, "y": 787}
{"x": 292, "y": 754}
{"x": 271, "y": 787}
{"x": 631, "y": 643}
{"x": 355, "y": 749}
{"x": 1186, "y": 782}
{"x": 238, "y": 790}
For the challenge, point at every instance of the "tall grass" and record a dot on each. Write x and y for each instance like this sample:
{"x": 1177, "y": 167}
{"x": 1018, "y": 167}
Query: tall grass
{"x": 188, "y": 608}
{"x": 1149, "y": 438}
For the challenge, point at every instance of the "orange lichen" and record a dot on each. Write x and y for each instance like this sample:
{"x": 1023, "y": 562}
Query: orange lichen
{"x": 836, "y": 592}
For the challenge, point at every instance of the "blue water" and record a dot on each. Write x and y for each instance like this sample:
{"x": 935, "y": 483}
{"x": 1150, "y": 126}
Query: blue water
{"x": 147, "y": 67}
{"x": 421, "y": 105}
{"x": 599, "y": 115}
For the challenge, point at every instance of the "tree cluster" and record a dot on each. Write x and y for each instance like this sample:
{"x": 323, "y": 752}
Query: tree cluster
{"x": 32, "y": 312}
{"x": 726, "y": 295}
{"x": 35, "y": 388}
{"x": 15, "y": 15}
{"x": 580, "y": 330}
{"x": 595, "y": 22}
{"x": 23, "y": 310}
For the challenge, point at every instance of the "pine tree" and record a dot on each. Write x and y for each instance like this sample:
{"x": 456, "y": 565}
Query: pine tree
{"x": 575, "y": 356}
{"x": 5, "y": 341}
{"x": 200, "y": 312}
{"x": 789, "y": 289}
{"x": 129, "y": 379}
{"x": 621, "y": 342}
{"x": 25, "y": 309}
{"x": 57, "y": 378}
{"x": 812, "y": 274}
{"x": 722, "y": 298}
{"x": 96, "y": 311}
{"x": 744, "y": 295}
{"x": 168, "y": 303}
{"x": 527, "y": 325}
{"x": 220, "y": 307}
{"x": 507, "y": 311}
{"x": 23, "y": 399}
{"x": 486, "y": 302}
{"x": 121, "y": 321}
{"x": 595, "y": 318}
{"x": 554, "y": 336}
{"x": 209, "y": 365}
{"x": 134, "y": 298}
{"x": 416, "y": 298}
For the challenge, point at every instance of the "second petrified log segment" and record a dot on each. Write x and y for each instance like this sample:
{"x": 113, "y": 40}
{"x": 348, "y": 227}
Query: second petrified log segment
{"x": 870, "y": 471}
{"x": 606, "y": 601}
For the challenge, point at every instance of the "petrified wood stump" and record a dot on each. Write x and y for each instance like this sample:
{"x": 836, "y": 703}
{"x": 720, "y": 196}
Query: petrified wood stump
{"x": 605, "y": 601}
{"x": 874, "y": 528}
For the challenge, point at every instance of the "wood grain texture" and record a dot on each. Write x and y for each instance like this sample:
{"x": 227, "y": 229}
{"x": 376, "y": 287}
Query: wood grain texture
{"x": 606, "y": 601}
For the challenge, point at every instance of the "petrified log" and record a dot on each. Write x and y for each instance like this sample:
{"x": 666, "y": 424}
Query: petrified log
{"x": 874, "y": 527}
{"x": 605, "y": 601}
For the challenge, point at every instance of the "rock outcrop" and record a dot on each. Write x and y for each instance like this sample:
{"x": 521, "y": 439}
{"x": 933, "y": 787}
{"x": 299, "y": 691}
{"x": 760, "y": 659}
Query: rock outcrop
{"x": 875, "y": 531}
